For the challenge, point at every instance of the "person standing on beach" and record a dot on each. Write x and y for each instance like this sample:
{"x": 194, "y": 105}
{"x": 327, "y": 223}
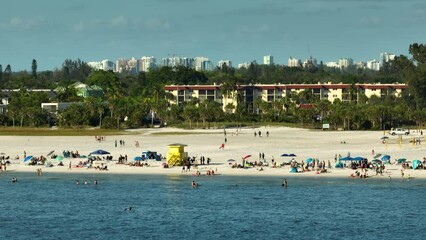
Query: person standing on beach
{"x": 69, "y": 166}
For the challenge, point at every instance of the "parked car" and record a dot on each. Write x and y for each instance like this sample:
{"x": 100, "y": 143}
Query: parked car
{"x": 399, "y": 131}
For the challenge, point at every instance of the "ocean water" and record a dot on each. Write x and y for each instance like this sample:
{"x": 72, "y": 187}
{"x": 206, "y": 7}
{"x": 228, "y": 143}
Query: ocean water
{"x": 222, "y": 207}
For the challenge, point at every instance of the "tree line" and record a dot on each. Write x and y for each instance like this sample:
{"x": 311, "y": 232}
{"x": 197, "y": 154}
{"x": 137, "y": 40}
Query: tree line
{"x": 131, "y": 101}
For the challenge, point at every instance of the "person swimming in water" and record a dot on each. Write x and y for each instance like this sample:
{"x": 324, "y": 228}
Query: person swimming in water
{"x": 284, "y": 184}
{"x": 194, "y": 184}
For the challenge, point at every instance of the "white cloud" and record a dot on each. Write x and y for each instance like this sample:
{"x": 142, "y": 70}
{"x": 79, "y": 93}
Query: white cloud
{"x": 23, "y": 23}
{"x": 120, "y": 21}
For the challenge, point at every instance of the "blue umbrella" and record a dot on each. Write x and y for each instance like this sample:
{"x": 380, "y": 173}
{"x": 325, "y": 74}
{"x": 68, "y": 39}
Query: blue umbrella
{"x": 99, "y": 152}
{"x": 309, "y": 160}
{"x": 137, "y": 159}
{"x": 345, "y": 158}
{"x": 358, "y": 159}
{"x": 385, "y": 158}
{"x": 28, "y": 158}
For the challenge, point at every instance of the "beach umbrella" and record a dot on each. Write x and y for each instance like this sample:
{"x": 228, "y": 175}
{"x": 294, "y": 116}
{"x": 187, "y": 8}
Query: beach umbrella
{"x": 377, "y": 161}
{"x": 137, "y": 158}
{"x": 230, "y": 161}
{"x": 99, "y": 152}
{"x": 358, "y": 159}
{"x": 27, "y": 158}
{"x": 345, "y": 158}
{"x": 377, "y": 155}
{"x": 385, "y": 158}
{"x": 309, "y": 160}
{"x": 384, "y": 137}
{"x": 247, "y": 156}
{"x": 401, "y": 160}
{"x": 288, "y": 155}
{"x": 59, "y": 158}
{"x": 2, "y": 153}
{"x": 416, "y": 163}
{"x": 51, "y": 152}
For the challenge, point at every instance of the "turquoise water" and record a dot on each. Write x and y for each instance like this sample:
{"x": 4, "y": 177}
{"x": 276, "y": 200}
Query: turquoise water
{"x": 166, "y": 207}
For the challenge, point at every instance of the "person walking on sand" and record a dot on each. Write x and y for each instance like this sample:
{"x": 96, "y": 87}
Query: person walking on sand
{"x": 222, "y": 146}
{"x": 69, "y": 166}
{"x": 402, "y": 174}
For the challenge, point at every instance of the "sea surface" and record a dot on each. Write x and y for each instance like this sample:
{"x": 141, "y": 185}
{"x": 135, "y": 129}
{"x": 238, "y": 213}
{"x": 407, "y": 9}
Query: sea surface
{"x": 222, "y": 207}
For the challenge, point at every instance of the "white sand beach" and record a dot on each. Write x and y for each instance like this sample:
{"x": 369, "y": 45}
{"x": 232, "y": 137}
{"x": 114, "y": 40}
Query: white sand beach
{"x": 304, "y": 143}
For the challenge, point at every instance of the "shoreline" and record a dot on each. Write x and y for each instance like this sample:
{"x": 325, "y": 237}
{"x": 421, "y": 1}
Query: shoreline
{"x": 393, "y": 172}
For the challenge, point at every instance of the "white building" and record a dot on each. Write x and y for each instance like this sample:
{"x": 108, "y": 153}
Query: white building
{"x": 105, "y": 65}
{"x": 373, "y": 65}
{"x": 244, "y": 65}
{"x": 147, "y": 63}
{"x": 294, "y": 62}
{"x": 268, "y": 60}
{"x": 345, "y": 62}
{"x": 310, "y": 62}
{"x": 386, "y": 57}
{"x": 202, "y": 64}
{"x": 332, "y": 64}
{"x": 221, "y": 62}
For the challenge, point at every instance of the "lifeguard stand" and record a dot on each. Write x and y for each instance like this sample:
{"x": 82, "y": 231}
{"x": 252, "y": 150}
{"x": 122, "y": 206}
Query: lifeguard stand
{"x": 176, "y": 154}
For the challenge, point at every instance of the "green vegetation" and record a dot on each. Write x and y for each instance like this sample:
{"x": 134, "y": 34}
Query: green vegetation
{"x": 10, "y": 131}
{"x": 129, "y": 100}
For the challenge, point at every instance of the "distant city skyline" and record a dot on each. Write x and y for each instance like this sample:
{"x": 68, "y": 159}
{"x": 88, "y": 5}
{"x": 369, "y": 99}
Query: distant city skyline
{"x": 241, "y": 31}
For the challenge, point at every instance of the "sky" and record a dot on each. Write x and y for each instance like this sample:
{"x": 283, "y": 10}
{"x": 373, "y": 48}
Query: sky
{"x": 51, "y": 31}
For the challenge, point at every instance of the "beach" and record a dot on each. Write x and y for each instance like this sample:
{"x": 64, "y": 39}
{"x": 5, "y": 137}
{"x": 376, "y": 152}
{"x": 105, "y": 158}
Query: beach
{"x": 239, "y": 143}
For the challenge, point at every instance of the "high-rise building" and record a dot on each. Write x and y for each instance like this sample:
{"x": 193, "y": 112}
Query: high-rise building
{"x": 345, "y": 62}
{"x": 268, "y": 60}
{"x": 202, "y": 63}
{"x": 147, "y": 63}
{"x": 373, "y": 65}
{"x": 244, "y": 65}
{"x": 105, "y": 65}
{"x": 332, "y": 64}
{"x": 294, "y": 62}
{"x": 221, "y": 62}
{"x": 386, "y": 57}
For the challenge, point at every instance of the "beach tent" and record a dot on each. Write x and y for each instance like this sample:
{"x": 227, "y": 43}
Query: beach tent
{"x": 339, "y": 165}
{"x": 28, "y": 158}
{"x": 416, "y": 164}
{"x": 99, "y": 152}
{"x": 385, "y": 158}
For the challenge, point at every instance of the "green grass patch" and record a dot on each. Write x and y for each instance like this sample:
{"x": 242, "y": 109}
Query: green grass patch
{"x": 60, "y": 132}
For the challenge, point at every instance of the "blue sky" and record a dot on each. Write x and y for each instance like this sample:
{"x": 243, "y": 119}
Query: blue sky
{"x": 51, "y": 31}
